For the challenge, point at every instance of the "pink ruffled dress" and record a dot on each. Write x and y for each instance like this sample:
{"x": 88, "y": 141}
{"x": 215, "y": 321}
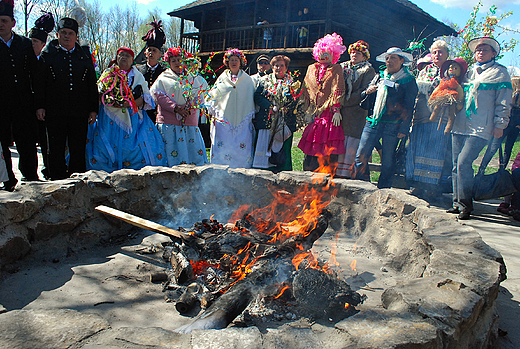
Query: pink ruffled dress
{"x": 321, "y": 137}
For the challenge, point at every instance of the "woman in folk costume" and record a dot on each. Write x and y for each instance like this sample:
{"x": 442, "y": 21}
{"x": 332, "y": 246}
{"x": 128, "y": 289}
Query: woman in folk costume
{"x": 275, "y": 121}
{"x": 324, "y": 92}
{"x": 122, "y": 137}
{"x": 358, "y": 73}
{"x": 178, "y": 96}
{"x": 428, "y": 157}
{"x": 230, "y": 102}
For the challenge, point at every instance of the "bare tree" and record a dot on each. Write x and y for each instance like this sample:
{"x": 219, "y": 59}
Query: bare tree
{"x": 27, "y": 8}
{"x": 58, "y": 8}
{"x": 94, "y": 29}
{"x": 131, "y": 26}
{"x": 173, "y": 32}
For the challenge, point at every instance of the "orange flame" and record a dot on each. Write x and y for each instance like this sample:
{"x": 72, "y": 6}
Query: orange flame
{"x": 326, "y": 166}
{"x": 288, "y": 216}
{"x": 239, "y": 213}
{"x": 353, "y": 265}
{"x": 296, "y": 261}
{"x": 347, "y": 305}
{"x": 201, "y": 266}
{"x": 282, "y": 291}
{"x": 333, "y": 250}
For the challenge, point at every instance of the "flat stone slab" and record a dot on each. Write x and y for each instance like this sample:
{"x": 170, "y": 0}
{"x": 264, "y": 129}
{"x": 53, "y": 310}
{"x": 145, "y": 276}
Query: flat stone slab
{"x": 61, "y": 328}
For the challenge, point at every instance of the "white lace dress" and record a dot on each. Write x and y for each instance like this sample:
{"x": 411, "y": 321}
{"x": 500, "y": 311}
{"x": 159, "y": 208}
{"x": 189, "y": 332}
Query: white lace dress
{"x": 232, "y": 107}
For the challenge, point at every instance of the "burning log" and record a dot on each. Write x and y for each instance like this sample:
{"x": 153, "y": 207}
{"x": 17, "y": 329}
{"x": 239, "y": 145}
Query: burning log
{"x": 182, "y": 268}
{"x": 223, "y": 311}
{"x": 274, "y": 264}
{"x": 235, "y": 264}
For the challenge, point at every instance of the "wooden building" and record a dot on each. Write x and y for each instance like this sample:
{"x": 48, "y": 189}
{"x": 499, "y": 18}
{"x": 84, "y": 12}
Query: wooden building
{"x": 284, "y": 27}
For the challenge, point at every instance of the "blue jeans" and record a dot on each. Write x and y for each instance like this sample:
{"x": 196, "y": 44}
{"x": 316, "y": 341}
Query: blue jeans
{"x": 369, "y": 138}
{"x": 465, "y": 150}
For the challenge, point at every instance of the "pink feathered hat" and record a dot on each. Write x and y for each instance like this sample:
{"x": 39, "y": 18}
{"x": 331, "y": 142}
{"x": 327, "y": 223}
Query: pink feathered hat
{"x": 332, "y": 43}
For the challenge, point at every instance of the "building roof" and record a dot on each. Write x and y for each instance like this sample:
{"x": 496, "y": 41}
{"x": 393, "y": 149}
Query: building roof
{"x": 405, "y": 3}
{"x": 195, "y": 4}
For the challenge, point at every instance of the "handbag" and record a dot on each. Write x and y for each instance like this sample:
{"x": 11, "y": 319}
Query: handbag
{"x": 281, "y": 135}
{"x": 494, "y": 185}
{"x": 278, "y": 158}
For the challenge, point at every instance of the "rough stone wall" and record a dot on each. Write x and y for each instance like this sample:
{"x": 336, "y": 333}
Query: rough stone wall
{"x": 447, "y": 300}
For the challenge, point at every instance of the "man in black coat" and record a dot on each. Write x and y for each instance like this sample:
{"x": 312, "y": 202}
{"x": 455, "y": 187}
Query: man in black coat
{"x": 71, "y": 99}
{"x": 155, "y": 39}
{"x": 19, "y": 74}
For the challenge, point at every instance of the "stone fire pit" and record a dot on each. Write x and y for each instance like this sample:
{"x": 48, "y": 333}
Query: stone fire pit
{"x": 430, "y": 282}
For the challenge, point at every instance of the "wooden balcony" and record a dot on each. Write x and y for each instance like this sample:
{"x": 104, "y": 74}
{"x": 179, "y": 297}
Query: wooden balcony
{"x": 283, "y": 36}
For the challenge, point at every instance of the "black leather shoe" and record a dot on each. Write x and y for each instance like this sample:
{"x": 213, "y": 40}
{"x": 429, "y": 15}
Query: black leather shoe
{"x": 10, "y": 185}
{"x": 453, "y": 210}
{"x": 464, "y": 215}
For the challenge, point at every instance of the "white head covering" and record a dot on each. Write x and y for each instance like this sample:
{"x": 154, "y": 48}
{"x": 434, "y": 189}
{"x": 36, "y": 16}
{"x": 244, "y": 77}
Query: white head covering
{"x": 395, "y": 51}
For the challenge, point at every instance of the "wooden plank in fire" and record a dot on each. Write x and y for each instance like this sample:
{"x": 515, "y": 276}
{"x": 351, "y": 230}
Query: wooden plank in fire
{"x": 144, "y": 223}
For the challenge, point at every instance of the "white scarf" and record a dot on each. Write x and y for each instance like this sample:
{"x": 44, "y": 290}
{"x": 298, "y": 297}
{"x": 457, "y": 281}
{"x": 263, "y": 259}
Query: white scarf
{"x": 232, "y": 100}
{"x": 491, "y": 75}
{"x": 169, "y": 84}
{"x": 382, "y": 91}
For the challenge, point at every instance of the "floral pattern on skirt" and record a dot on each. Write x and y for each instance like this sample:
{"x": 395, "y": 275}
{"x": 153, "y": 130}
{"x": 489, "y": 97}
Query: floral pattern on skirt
{"x": 183, "y": 144}
{"x": 110, "y": 148}
{"x": 232, "y": 146}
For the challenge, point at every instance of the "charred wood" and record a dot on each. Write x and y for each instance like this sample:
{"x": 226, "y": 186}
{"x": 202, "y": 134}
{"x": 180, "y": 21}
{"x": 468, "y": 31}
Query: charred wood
{"x": 274, "y": 266}
{"x": 182, "y": 268}
{"x": 188, "y": 299}
{"x": 223, "y": 311}
{"x": 158, "y": 277}
{"x": 323, "y": 295}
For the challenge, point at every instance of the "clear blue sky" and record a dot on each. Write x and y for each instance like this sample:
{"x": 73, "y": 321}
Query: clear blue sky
{"x": 456, "y": 11}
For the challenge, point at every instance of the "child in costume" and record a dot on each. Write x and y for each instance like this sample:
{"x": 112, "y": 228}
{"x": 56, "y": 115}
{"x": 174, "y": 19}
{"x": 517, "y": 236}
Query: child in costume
{"x": 323, "y": 95}
{"x": 447, "y": 98}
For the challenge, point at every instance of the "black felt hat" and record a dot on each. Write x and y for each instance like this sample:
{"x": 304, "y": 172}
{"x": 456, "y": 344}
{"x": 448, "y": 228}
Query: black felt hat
{"x": 42, "y": 27}
{"x": 7, "y": 8}
{"x": 68, "y": 23}
{"x": 155, "y": 36}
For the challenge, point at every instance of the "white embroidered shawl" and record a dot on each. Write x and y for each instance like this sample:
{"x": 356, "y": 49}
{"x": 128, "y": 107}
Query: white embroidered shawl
{"x": 232, "y": 101}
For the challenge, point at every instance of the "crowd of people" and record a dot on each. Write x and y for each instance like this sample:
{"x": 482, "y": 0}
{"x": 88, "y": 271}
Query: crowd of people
{"x": 149, "y": 115}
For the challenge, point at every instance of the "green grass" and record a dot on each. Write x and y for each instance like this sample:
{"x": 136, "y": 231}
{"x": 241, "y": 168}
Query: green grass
{"x": 297, "y": 157}
{"x": 296, "y": 153}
